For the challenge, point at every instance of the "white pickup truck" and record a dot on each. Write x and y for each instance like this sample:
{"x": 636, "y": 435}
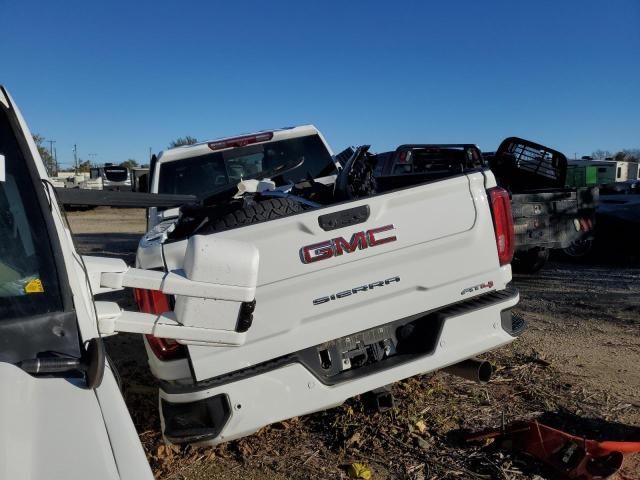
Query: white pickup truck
{"x": 349, "y": 294}
{"x": 327, "y": 285}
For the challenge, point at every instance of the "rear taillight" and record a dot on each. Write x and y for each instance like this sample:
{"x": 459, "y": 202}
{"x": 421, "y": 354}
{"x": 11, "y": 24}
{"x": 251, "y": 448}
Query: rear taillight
{"x": 165, "y": 348}
{"x": 502, "y": 223}
{"x": 152, "y": 301}
{"x": 241, "y": 141}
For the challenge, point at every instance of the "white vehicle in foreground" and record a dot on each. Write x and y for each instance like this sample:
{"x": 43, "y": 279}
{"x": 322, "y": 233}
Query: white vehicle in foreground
{"x": 327, "y": 288}
{"x": 62, "y": 415}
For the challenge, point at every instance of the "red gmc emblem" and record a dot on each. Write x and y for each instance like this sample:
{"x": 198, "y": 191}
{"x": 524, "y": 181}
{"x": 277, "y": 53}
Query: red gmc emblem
{"x": 337, "y": 246}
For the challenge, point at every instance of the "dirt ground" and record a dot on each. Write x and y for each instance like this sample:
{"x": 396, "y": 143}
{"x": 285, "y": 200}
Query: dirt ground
{"x": 576, "y": 368}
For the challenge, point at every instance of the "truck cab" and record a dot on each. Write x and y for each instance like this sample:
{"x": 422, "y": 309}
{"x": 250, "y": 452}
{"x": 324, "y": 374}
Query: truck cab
{"x": 205, "y": 167}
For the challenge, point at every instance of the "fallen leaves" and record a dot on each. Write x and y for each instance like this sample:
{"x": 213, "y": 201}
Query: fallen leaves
{"x": 359, "y": 470}
{"x": 354, "y": 440}
{"x": 421, "y": 426}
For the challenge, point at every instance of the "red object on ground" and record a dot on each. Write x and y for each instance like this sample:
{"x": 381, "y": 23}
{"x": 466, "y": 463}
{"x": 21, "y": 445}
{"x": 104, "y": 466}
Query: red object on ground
{"x": 570, "y": 456}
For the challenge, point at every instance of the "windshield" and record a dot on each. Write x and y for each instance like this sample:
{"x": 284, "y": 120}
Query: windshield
{"x": 28, "y": 278}
{"x": 434, "y": 160}
{"x": 199, "y": 175}
{"x": 116, "y": 174}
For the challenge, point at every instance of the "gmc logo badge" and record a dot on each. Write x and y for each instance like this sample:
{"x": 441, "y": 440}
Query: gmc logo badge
{"x": 337, "y": 246}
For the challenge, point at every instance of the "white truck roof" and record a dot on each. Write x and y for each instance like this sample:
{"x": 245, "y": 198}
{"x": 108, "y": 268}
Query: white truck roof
{"x": 202, "y": 148}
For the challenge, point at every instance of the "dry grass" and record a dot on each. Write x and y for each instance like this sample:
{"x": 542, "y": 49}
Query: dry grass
{"x": 418, "y": 439}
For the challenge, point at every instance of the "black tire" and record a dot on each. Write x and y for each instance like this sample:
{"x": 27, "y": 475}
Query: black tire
{"x": 530, "y": 261}
{"x": 257, "y": 212}
{"x": 579, "y": 250}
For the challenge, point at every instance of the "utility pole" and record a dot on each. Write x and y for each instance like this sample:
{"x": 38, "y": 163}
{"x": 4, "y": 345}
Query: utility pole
{"x": 55, "y": 160}
{"x": 52, "y": 167}
{"x": 75, "y": 156}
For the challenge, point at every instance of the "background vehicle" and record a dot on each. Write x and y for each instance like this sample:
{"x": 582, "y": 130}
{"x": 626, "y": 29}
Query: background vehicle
{"x": 606, "y": 171}
{"x": 581, "y": 175}
{"x": 355, "y": 288}
{"x": 617, "y": 223}
{"x": 140, "y": 179}
{"x": 619, "y": 213}
{"x": 415, "y": 163}
{"x": 114, "y": 177}
{"x": 62, "y": 412}
{"x": 546, "y": 214}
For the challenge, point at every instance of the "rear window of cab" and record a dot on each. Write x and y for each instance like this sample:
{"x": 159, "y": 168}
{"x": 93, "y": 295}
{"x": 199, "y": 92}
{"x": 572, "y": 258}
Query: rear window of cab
{"x": 205, "y": 173}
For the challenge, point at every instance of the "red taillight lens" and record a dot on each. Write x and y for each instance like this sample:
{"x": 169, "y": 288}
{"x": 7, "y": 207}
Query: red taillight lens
{"x": 165, "y": 348}
{"x": 152, "y": 301}
{"x": 241, "y": 141}
{"x": 502, "y": 223}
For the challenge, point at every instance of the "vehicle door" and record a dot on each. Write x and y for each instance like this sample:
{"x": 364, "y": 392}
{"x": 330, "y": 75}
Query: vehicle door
{"x": 62, "y": 416}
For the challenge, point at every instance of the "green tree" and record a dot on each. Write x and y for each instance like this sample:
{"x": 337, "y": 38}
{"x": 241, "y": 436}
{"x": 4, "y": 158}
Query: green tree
{"x": 130, "y": 163}
{"x": 49, "y": 162}
{"x": 181, "y": 141}
{"x": 84, "y": 166}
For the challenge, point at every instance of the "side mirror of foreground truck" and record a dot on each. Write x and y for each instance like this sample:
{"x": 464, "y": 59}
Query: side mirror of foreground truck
{"x": 214, "y": 293}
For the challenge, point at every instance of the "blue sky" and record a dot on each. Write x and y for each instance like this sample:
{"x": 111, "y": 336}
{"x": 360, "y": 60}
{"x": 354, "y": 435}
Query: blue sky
{"x": 119, "y": 77}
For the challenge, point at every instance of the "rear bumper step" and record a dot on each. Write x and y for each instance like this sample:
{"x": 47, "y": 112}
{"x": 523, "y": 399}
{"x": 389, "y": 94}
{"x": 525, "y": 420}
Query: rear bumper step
{"x": 292, "y": 386}
{"x": 433, "y": 325}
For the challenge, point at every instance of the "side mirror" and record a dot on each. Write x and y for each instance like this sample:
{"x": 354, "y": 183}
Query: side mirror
{"x": 214, "y": 292}
{"x": 2, "y": 169}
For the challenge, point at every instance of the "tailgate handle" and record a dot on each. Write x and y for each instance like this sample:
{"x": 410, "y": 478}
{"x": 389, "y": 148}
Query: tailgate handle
{"x": 344, "y": 218}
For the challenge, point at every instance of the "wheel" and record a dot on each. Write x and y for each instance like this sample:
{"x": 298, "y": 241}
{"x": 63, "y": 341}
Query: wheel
{"x": 255, "y": 212}
{"x": 530, "y": 261}
{"x": 579, "y": 249}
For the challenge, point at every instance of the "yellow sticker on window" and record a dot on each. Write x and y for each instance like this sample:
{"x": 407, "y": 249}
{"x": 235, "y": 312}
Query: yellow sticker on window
{"x": 34, "y": 286}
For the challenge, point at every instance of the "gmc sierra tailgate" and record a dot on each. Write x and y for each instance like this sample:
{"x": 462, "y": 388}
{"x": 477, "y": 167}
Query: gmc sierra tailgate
{"x": 330, "y": 272}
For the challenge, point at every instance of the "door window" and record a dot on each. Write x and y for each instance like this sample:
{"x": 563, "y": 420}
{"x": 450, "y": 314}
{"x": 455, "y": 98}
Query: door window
{"x": 28, "y": 278}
